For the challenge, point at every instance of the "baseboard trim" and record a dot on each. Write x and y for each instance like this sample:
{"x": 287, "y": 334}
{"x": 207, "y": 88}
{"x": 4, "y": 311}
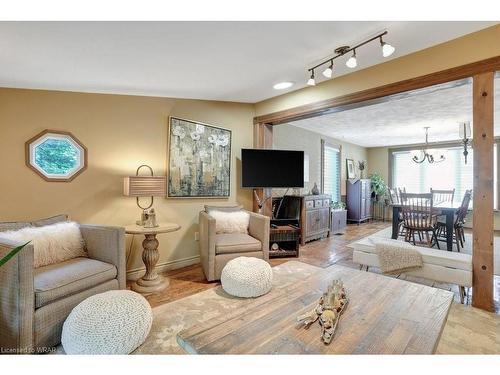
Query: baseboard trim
{"x": 135, "y": 273}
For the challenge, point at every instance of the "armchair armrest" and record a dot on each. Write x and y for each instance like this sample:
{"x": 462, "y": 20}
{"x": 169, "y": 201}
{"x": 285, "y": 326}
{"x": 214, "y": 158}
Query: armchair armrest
{"x": 207, "y": 244}
{"x": 106, "y": 244}
{"x": 259, "y": 228}
{"x": 17, "y": 299}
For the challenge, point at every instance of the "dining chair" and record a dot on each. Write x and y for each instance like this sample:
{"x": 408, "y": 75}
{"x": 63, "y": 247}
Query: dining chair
{"x": 395, "y": 199}
{"x": 393, "y": 196}
{"x": 419, "y": 217}
{"x": 442, "y": 196}
{"x": 458, "y": 225}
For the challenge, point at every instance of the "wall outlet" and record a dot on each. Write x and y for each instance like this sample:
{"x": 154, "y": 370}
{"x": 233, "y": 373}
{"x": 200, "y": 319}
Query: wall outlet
{"x": 196, "y": 236}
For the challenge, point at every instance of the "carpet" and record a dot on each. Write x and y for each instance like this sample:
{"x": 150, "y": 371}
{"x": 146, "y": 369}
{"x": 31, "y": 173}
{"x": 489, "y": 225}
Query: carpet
{"x": 467, "y": 249}
{"x": 171, "y": 318}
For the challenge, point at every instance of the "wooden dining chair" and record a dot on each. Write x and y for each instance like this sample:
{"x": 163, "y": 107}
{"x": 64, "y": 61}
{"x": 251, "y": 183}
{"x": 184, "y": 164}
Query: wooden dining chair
{"x": 458, "y": 225}
{"x": 419, "y": 217}
{"x": 395, "y": 199}
{"x": 442, "y": 196}
{"x": 393, "y": 196}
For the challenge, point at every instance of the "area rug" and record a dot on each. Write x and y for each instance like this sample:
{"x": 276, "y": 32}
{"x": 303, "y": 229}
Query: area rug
{"x": 467, "y": 249}
{"x": 171, "y": 318}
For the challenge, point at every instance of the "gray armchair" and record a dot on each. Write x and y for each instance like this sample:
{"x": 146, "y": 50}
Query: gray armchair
{"x": 34, "y": 302}
{"x": 218, "y": 249}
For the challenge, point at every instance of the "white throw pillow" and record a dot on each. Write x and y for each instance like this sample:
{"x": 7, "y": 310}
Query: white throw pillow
{"x": 231, "y": 222}
{"x": 51, "y": 243}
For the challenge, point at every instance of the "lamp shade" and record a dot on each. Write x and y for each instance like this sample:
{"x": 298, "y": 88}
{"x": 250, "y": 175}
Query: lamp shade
{"x": 145, "y": 186}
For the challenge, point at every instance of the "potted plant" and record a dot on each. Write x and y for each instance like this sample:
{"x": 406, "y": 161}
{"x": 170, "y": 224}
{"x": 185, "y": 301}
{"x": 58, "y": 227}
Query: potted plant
{"x": 378, "y": 186}
{"x": 338, "y": 206}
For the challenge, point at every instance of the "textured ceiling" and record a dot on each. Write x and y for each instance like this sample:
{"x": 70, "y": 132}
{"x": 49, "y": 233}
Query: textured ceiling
{"x": 401, "y": 121}
{"x": 231, "y": 61}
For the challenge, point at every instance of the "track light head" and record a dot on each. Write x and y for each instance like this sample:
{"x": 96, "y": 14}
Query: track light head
{"x": 329, "y": 71}
{"x": 312, "y": 81}
{"x": 387, "y": 49}
{"x": 352, "y": 62}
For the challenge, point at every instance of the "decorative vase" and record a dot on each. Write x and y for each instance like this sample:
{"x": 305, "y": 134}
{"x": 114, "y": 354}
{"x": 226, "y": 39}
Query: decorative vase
{"x": 315, "y": 190}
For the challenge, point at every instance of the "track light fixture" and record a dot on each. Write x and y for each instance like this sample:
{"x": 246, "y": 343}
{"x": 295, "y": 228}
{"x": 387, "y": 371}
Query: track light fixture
{"x": 311, "y": 81}
{"x": 329, "y": 71}
{"x": 352, "y": 62}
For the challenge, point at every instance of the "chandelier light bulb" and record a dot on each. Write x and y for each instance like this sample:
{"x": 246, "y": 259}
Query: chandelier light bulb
{"x": 328, "y": 71}
{"x": 311, "y": 81}
{"x": 352, "y": 62}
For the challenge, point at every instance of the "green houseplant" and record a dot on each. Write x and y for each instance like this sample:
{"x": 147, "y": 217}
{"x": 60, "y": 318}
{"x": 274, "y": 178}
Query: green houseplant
{"x": 11, "y": 254}
{"x": 378, "y": 186}
{"x": 338, "y": 206}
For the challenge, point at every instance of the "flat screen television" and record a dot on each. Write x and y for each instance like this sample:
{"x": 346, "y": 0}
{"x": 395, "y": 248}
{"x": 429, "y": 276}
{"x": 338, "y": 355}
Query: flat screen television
{"x": 272, "y": 168}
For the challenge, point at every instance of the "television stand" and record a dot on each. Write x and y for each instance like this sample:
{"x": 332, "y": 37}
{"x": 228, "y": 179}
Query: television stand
{"x": 284, "y": 241}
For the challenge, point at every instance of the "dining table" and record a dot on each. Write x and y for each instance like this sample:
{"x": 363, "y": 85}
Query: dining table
{"x": 447, "y": 209}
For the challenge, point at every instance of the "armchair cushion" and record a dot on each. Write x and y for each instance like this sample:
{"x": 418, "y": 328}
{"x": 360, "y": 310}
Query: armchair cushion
{"x": 52, "y": 243}
{"x": 209, "y": 208}
{"x": 231, "y": 222}
{"x": 230, "y": 243}
{"x": 60, "y": 280}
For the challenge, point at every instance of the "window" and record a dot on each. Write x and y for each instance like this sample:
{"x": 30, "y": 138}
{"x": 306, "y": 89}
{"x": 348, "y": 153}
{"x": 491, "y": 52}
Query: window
{"x": 56, "y": 156}
{"x": 330, "y": 174}
{"x": 448, "y": 174}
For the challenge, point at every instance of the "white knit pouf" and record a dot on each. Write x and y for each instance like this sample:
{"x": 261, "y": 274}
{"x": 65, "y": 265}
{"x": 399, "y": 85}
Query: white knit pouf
{"x": 247, "y": 277}
{"x": 114, "y": 322}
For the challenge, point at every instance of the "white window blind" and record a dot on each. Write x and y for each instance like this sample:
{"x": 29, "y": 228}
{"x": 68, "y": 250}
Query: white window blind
{"x": 331, "y": 171}
{"x": 446, "y": 175}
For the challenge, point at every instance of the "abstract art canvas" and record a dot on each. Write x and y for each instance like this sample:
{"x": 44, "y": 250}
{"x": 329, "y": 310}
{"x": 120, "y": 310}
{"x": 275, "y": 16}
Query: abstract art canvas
{"x": 199, "y": 160}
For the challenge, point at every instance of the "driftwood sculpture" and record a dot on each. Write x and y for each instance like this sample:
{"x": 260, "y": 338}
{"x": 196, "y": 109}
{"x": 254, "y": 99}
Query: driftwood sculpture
{"x": 328, "y": 310}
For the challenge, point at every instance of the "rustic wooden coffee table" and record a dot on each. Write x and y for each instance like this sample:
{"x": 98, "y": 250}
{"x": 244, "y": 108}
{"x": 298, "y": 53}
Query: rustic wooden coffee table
{"x": 384, "y": 316}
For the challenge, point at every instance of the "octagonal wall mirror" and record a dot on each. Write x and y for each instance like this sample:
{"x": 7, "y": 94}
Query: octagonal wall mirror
{"x": 56, "y": 155}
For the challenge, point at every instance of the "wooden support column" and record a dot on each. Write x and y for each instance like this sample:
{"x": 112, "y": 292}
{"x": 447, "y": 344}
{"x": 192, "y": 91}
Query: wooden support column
{"x": 263, "y": 138}
{"x": 482, "y": 249}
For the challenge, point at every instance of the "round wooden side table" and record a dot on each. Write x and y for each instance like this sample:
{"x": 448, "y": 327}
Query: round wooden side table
{"x": 151, "y": 281}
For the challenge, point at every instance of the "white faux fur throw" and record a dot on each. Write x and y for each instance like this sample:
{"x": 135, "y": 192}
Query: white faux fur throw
{"x": 231, "y": 222}
{"x": 51, "y": 243}
{"x": 397, "y": 256}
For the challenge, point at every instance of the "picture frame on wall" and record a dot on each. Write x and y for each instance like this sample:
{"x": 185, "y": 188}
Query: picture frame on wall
{"x": 350, "y": 168}
{"x": 199, "y": 160}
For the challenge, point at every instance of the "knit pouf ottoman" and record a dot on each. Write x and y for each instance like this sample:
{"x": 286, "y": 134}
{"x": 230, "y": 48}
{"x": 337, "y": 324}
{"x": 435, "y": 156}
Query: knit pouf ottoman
{"x": 247, "y": 277}
{"x": 114, "y": 322}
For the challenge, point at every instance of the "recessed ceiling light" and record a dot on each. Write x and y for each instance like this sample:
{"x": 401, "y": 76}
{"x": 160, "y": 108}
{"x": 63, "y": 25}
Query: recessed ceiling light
{"x": 282, "y": 85}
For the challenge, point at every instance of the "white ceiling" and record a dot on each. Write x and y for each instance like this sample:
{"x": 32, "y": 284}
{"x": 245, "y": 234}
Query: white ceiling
{"x": 401, "y": 121}
{"x": 232, "y": 61}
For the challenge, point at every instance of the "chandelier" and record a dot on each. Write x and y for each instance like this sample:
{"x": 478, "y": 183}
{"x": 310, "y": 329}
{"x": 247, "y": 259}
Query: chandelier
{"x": 432, "y": 156}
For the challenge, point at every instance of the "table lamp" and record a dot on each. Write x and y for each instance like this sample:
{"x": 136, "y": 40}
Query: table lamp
{"x": 145, "y": 186}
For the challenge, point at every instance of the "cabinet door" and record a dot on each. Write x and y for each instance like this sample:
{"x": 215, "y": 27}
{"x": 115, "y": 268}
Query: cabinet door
{"x": 312, "y": 221}
{"x": 367, "y": 207}
{"x": 324, "y": 219}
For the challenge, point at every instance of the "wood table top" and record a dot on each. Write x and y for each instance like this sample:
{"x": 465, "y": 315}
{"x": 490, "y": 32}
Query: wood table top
{"x": 161, "y": 228}
{"x": 384, "y": 316}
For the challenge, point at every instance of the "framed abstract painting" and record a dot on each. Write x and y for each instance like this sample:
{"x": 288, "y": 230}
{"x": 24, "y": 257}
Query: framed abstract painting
{"x": 199, "y": 160}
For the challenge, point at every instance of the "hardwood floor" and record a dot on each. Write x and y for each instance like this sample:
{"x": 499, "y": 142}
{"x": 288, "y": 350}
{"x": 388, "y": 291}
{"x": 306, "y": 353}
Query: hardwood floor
{"x": 468, "y": 330}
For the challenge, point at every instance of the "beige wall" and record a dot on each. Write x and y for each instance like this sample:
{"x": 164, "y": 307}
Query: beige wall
{"x": 378, "y": 161}
{"x": 469, "y": 48}
{"x": 120, "y": 132}
{"x": 289, "y": 137}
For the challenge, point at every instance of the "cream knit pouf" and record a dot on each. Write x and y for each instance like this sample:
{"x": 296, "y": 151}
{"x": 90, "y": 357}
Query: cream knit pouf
{"x": 114, "y": 322}
{"x": 247, "y": 277}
